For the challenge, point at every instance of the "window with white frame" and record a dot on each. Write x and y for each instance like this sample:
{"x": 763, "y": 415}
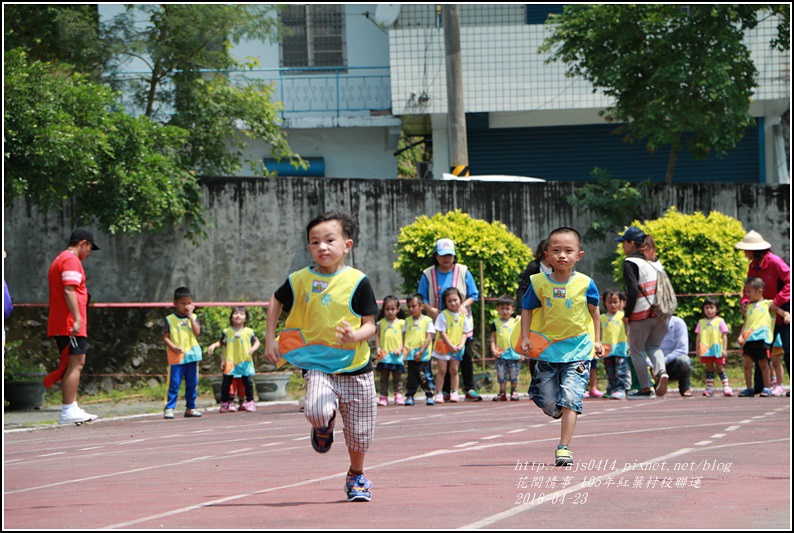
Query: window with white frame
{"x": 314, "y": 37}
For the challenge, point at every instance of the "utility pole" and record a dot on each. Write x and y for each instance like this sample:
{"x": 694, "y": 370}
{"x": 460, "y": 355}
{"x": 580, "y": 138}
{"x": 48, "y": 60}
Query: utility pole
{"x": 456, "y": 113}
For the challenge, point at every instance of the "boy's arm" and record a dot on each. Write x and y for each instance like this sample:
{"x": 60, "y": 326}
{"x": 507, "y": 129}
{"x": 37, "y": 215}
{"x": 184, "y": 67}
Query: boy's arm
{"x": 494, "y": 347}
{"x": 595, "y": 312}
{"x": 255, "y": 346}
{"x": 780, "y": 312}
{"x": 170, "y": 344}
{"x": 526, "y": 318}
{"x": 271, "y": 345}
{"x": 347, "y": 335}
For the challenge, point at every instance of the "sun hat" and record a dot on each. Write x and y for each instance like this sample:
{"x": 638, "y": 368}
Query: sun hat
{"x": 633, "y": 234}
{"x": 445, "y": 247}
{"x": 753, "y": 241}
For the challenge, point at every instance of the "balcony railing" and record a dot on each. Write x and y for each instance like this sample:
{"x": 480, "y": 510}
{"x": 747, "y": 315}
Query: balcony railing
{"x": 328, "y": 91}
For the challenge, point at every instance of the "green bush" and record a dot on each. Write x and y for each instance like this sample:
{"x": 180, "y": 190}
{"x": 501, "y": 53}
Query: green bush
{"x": 699, "y": 256}
{"x": 504, "y": 255}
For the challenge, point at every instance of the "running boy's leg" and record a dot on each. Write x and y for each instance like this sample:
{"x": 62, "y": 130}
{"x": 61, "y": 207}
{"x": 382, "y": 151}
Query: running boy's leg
{"x": 358, "y": 408}
{"x": 321, "y": 399}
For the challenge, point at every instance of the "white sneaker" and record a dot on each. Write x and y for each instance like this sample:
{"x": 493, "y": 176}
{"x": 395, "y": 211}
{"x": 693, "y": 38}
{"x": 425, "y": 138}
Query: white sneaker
{"x": 76, "y": 415}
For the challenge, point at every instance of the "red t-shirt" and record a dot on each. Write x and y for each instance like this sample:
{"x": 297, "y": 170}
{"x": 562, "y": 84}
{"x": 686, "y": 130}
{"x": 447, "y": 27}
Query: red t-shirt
{"x": 66, "y": 269}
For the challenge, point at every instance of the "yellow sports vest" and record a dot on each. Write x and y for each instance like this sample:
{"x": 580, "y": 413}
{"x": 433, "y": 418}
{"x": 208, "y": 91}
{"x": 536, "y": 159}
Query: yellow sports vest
{"x": 415, "y": 337}
{"x": 455, "y": 327}
{"x": 321, "y": 303}
{"x": 238, "y": 343}
{"x": 391, "y": 340}
{"x": 504, "y": 335}
{"x": 181, "y": 334}
{"x": 759, "y": 323}
{"x": 710, "y": 337}
{"x": 613, "y": 335}
{"x": 562, "y": 328}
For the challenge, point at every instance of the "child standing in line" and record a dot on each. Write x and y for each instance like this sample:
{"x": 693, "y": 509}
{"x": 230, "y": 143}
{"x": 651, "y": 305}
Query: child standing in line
{"x": 756, "y": 336}
{"x": 332, "y": 311}
{"x": 389, "y": 347}
{"x": 179, "y": 335}
{"x": 712, "y": 343}
{"x": 616, "y": 345}
{"x": 452, "y": 328}
{"x": 239, "y": 344}
{"x": 507, "y": 359}
{"x": 418, "y": 333}
{"x": 560, "y": 325}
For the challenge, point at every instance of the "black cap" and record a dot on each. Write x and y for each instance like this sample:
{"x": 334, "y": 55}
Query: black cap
{"x": 82, "y": 234}
{"x": 633, "y": 234}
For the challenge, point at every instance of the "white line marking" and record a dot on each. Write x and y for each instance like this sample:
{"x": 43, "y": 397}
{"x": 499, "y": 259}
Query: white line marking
{"x": 518, "y": 430}
{"x": 271, "y": 444}
{"x": 240, "y": 451}
{"x": 51, "y": 454}
{"x": 703, "y": 443}
{"x": 744, "y": 421}
{"x": 91, "y": 448}
{"x": 491, "y": 437}
{"x": 392, "y": 422}
{"x": 717, "y": 436}
{"x": 124, "y": 443}
{"x": 466, "y": 444}
{"x": 731, "y": 428}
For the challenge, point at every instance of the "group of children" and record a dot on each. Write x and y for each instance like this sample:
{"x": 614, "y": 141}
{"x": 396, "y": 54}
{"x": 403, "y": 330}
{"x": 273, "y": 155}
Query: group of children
{"x": 331, "y": 314}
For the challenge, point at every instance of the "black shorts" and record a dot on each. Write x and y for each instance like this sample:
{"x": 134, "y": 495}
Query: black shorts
{"x": 757, "y": 350}
{"x": 76, "y": 345}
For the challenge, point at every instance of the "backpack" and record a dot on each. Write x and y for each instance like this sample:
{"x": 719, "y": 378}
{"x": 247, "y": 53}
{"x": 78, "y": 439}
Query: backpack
{"x": 666, "y": 302}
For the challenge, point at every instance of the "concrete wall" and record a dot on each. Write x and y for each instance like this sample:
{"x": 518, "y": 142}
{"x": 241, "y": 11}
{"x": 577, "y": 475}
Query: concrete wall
{"x": 256, "y": 232}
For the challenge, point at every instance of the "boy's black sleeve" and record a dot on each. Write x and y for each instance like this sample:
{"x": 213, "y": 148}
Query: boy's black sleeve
{"x": 284, "y": 295}
{"x": 364, "y": 302}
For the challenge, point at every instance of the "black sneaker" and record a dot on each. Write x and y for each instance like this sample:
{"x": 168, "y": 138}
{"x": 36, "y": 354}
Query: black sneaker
{"x": 322, "y": 440}
{"x": 642, "y": 394}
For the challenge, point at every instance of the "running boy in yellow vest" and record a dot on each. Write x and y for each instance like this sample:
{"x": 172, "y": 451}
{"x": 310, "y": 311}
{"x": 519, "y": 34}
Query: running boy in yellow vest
{"x": 179, "y": 335}
{"x": 560, "y": 325}
{"x": 332, "y": 312}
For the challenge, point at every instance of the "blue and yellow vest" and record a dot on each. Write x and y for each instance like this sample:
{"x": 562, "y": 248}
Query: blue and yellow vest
{"x": 238, "y": 362}
{"x": 181, "y": 334}
{"x": 561, "y": 329}
{"x": 415, "y": 337}
{"x": 710, "y": 337}
{"x": 613, "y": 335}
{"x": 455, "y": 327}
{"x": 504, "y": 334}
{"x": 391, "y": 340}
{"x": 759, "y": 322}
{"x": 321, "y": 303}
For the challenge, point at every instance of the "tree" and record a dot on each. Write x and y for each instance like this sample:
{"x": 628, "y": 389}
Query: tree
{"x": 65, "y": 142}
{"x": 189, "y": 82}
{"x": 679, "y": 75}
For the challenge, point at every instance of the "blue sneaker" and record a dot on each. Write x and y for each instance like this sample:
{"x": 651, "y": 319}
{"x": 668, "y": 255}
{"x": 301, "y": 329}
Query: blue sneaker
{"x": 563, "y": 456}
{"x": 409, "y": 400}
{"x": 358, "y": 488}
{"x": 430, "y": 401}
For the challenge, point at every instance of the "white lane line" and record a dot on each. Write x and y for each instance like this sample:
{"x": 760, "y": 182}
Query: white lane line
{"x": 465, "y": 444}
{"x": 491, "y": 437}
{"x": 731, "y": 428}
{"x": 703, "y": 443}
{"x": 518, "y": 430}
{"x": 392, "y": 422}
{"x": 51, "y": 454}
{"x": 91, "y": 448}
{"x": 717, "y": 436}
{"x": 240, "y": 451}
{"x": 744, "y": 421}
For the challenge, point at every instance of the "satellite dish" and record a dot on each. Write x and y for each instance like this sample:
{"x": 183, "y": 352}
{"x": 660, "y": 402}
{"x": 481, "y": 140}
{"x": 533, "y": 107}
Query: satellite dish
{"x": 386, "y": 15}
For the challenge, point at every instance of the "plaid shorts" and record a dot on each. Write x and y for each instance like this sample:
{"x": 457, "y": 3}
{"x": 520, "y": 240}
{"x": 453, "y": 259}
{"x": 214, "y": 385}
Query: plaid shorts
{"x": 355, "y": 398}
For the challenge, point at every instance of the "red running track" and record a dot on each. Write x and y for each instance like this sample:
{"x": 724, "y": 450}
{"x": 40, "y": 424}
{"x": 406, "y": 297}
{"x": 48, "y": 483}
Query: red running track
{"x": 673, "y": 463}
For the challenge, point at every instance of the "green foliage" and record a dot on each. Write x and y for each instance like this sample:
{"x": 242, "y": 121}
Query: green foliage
{"x": 699, "y": 256}
{"x": 16, "y": 361}
{"x": 193, "y": 82}
{"x": 65, "y": 141}
{"x": 503, "y": 254}
{"x": 679, "y": 77}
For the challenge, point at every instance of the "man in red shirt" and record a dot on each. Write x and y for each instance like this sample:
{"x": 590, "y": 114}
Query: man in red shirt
{"x": 67, "y": 321}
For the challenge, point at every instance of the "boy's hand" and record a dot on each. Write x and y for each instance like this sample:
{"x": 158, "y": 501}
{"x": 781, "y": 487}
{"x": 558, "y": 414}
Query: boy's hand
{"x": 526, "y": 345}
{"x": 345, "y": 333}
{"x": 787, "y": 318}
{"x": 272, "y": 353}
{"x": 212, "y": 347}
{"x": 599, "y": 350}
{"x": 189, "y": 308}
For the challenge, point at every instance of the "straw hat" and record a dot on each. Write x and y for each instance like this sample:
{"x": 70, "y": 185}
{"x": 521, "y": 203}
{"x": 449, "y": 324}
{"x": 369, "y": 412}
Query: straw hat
{"x": 753, "y": 241}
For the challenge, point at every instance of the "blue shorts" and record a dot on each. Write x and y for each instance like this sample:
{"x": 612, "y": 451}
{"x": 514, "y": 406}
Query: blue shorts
{"x": 558, "y": 385}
